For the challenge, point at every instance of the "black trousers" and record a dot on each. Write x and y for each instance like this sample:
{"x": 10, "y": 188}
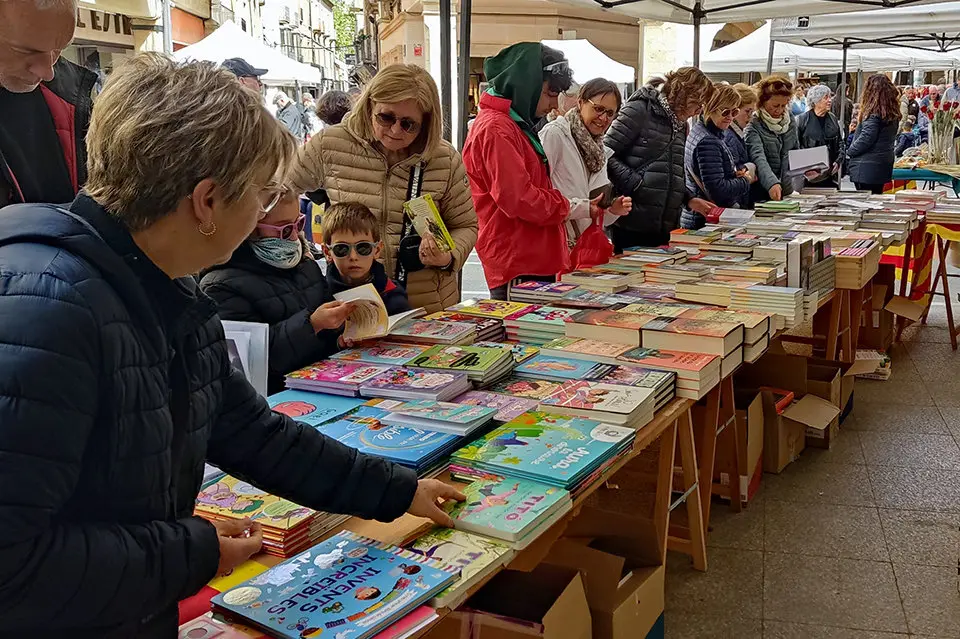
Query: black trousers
{"x": 500, "y": 292}
{"x": 625, "y": 238}
{"x": 876, "y": 189}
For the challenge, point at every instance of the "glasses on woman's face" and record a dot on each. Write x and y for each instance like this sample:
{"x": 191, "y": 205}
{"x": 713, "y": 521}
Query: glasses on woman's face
{"x": 269, "y": 197}
{"x": 283, "y": 231}
{"x": 387, "y": 120}
{"x": 342, "y": 249}
{"x": 600, "y": 110}
{"x": 730, "y": 113}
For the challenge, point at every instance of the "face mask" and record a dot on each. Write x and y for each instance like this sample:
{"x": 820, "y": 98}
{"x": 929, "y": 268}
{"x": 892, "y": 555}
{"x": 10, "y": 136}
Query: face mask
{"x": 277, "y": 252}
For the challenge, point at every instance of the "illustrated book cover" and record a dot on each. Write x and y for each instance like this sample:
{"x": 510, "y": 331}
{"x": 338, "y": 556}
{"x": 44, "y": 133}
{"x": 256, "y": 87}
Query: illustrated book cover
{"x": 561, "y": 368}
{"x": 312, "y": 408}
{"x": 507, "y": 407}
{"x": 384, "y": 353}
{"x": 488, "y": 308}
{"x": 507, "y": 509}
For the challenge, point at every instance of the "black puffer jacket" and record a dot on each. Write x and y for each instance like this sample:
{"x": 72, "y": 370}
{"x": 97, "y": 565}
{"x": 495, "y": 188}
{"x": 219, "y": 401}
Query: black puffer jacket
{"x": 871, "y": 155}
{"x": 647, "y": 164}
{"x": 116, "y": 386}
{"x": 248, "y": 290}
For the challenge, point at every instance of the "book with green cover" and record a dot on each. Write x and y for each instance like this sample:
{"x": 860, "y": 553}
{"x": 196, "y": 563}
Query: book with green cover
{"x": 470, "y": 359}
{"x": 426, "y": 218}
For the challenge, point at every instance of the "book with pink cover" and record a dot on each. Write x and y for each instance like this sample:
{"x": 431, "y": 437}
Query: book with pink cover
{"x": 529, "y": 388}
{"x": 595, "y": 396}
{"x": 615, "y": 319}
{"x": 688, "y": 326}
{"x": 338, "y": 373}
{"x": 540, "y": 316}
{"x": 508, "y": 408}
{"x": 690, "y": 365}
{"x": 488, "y": 308}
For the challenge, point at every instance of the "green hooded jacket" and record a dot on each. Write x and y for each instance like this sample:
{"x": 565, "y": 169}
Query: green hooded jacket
{"x": 516, "y": 73}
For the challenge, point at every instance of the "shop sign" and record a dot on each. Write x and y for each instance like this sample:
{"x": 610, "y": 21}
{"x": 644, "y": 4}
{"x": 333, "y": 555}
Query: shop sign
{"x": 101, "y": 27}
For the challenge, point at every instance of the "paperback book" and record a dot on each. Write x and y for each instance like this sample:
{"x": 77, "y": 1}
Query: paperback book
{"x": 334, "y": 376}
{"x": 486, "y": 328}
{"x": 507, "y": 407}
{"x": 411, "y": 383}
{"x": 435, "y": 332}
{"x": 608, "y": 326}
{"x": 443, "y": 417}
{"x": 589, "y": 349}
{"x": 561, "y": 369}
{"x": 479, "y": 363}
{"x": 520, "y": 352}
{"x": 621, "y": 405}
{"x": 312, "y": 408}
{"x": 488, "y": 308}
{"x": 369, "y": 318}
{"x": 535, "y": 389}
{"x": 384, "y": 353}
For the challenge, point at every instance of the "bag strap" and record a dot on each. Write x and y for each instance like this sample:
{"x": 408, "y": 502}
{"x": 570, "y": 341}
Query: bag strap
{"x": 414, "y": 189}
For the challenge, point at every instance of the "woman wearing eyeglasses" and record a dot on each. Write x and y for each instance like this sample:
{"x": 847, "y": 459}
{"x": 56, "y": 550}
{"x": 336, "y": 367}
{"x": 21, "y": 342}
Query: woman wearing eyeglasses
{"x": 578, "y": 160}
{"x": 770, "y": 137}
{"x": 389, "y": 149}
{"x": 712, "y": 172}
{"x": 819, "y": 127}
{"x": 273, "y": 278}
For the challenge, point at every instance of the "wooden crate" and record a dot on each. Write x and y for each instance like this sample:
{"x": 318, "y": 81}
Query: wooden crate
{"x": 854, "y": 273}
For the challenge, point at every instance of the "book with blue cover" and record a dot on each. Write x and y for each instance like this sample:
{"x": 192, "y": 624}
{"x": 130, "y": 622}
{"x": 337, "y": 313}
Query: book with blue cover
{"x": 443, "y": 417}
{"x": 554, "y": 449}
{"x": 348, "y": 586}
{"x": 381, "y": 352}
{"x": 312, "y": 408}
{"x": 562, "y": 368}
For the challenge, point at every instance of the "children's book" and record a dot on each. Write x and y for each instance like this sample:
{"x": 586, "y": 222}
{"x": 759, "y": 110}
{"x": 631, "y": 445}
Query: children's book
{"x": 578, "y": 348}
{"x": 435, "y": 332}
{"x": 410, "y": 625}
{"x": 369, "y": 318}
{"x": 608, "y": 402}
{"x": 475, "y": 556}
{"x": 312, "y": 408}
{"x": 507, "y": 407}
{"x": 426, "y": 219}
{"x": 410, "y": 383}
{"x": 562, "y": 369}
{"x": 443, "y": 417}
{"x": 554, "y": 449}
{"x": 486, "y": 327}
{"x": 540, "y": 318}
{"x": 347, "y": 585}
{"x": 332, "y": 376}
{"x": 535, "y": 389}
{"x": 638, "y": 377}
{"x": 507, "y": 509}
{"x": 488, "y": 308}
{"x": 541, "y": 290}
{"x": 386, "y": 353}
{"x": 691, "y": 365}
{"x": 608, "y": 325}
{"x": 521, "y": 352}
{"x": 477, "y": 361}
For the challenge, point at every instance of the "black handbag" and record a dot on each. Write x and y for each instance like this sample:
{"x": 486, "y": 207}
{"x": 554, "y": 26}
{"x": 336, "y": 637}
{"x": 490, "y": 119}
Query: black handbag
{"x": 408, "y": 251}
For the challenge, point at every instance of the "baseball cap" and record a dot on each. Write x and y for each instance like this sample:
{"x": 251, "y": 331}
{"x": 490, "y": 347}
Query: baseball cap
{"x": 242, "y": 69}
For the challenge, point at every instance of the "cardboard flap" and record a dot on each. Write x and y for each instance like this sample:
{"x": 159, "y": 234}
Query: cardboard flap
{"x": 905, "y": 307}
{"x": 862, "y": 367}
{"x": 601, "y": 571}
{"x": 813, "y": 412}
{"x": 528, "y": 597}
{"x": 788, "y": 372}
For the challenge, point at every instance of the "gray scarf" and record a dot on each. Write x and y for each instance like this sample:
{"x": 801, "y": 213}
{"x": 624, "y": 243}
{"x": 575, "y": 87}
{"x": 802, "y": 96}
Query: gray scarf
{"x": 590, "y": 146}
{"x": 737, "y": 129}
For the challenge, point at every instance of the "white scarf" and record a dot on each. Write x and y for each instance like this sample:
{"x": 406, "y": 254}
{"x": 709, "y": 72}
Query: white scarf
{"x": 780, "y": 126}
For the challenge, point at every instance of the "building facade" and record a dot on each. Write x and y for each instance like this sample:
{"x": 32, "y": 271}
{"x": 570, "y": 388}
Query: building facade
{"x": 304, "y": 30}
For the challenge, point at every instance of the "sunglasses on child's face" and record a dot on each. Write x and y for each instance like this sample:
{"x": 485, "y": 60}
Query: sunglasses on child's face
{"x": 284, "y": 231}
{"x": 342, "y": 249}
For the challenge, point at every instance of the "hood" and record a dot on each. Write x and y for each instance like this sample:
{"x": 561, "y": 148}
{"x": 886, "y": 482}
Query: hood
{"x": 516, "y": 73}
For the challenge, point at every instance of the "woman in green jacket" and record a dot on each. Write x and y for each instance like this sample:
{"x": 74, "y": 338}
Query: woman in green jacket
{"x": 770, "y": 136}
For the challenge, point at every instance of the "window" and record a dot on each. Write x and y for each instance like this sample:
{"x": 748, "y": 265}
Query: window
{"x": 243, "y": 24}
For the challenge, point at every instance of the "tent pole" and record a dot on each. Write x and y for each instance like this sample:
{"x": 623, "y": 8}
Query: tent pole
{"x": 446, "y": 91}
{"x": 167, "y": 27}
{"x": 770, "y": 56}
{"x": 463, "y": 77}
{"x": 843, "y": 108}
{"x": 696, "y": 35}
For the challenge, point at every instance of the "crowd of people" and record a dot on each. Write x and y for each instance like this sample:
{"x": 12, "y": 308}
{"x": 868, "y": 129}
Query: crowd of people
{"x": 136, "y": 222}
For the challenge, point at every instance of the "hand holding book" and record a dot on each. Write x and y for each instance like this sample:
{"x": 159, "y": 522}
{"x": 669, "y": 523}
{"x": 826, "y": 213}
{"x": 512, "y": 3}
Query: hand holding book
{"x": 425, "y": 501}
{"x": 431, "y": 254}
{"x": 331, "y": 315}
{"x": 239, "y": 540}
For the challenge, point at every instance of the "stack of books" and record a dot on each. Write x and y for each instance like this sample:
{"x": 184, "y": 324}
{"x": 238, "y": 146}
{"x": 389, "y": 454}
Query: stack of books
{"x": 287, "y": 528}
{"x": 721, "y": 338}
{"x": 608, "y": 325}
{"x": 675, "y": 273}
{"x": 507, "y": 407}
{"x": 537, "y": 324}
{"x": 535, "y": 389}
{"x": 561, "y": 369}
{"x": 336, "y": 377}
{"x": 551, "y": 449}
{"x": 441, "y": 417}
{"x": 714, "y": 289}
{"x": 411, "y": 383}
{"x": 589, "y": 349}
{"x": 357, "y": 585}
{"x": 628, "y": 406}
{"x": 435, "y": 332}
{"x": 772, "y": 207}
{"x": 483, "y": 365}
{"x": 487, "y": 329}
{"x": 785, "y": 302}
{"x": 381, "y": 352}
{"x": 693, "y": 240}
{"x": 697, "y": 374}
{"x": 757, "y": 327}
{"x": 603, "y": 280}
{"x": 311, "y": 408}
{"x": 534, "y": 292}
{"x": 678, "y": 255}
{"x": 663, "y": 383}
{"x": 494, "y": 309}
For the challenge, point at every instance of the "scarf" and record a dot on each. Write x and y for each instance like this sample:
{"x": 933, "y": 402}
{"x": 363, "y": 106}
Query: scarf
{"x": 780, "y": 126}
{"x": 678, "y": 125}
{"x": 590, "y": 147}
{"x": 737, "y": 129}
{"x": 282, "y": 254}
{"x": 516, "y": 73}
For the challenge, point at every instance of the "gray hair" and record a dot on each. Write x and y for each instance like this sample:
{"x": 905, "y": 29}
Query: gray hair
{"x": 280, "y": 97}
{"x": 817, "y": 93}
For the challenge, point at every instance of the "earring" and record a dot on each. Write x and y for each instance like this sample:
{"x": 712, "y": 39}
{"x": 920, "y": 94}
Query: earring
{"x": 207, "y": 233}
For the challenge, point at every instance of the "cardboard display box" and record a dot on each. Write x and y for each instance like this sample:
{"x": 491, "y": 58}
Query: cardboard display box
{"x": 824, "y": 382}
{"x": 749, "y": 415}
{"x": 548, "y": 602}
{"x": 783, "y": 439}
{"x": 813, "y": 415}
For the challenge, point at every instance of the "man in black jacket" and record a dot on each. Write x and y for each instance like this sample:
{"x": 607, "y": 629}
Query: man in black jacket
{"x": 44, "y": 104}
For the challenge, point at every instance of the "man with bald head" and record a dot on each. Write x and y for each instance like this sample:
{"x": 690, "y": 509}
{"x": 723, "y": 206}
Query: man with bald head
{"x": 45, "y": 103}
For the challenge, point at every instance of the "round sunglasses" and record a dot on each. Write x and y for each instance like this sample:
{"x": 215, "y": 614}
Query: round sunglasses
{"x": 387, "y": 120}
{"x": 342, "y": 249}
{"x": 284, "y": 231}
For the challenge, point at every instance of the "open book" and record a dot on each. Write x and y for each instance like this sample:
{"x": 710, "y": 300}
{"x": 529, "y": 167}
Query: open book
{"x": 425, "y": 216}
{"x": 369, "y": 319}
{"x": 804, "y": 160}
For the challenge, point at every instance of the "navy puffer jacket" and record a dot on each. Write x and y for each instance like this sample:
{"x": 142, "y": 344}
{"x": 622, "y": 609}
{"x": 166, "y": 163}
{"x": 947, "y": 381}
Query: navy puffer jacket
{"x": 647, "y": 164}
{"x": 871, "y": 155}
{"x": 115, "y": 386}
{"x": 707, "y": 159}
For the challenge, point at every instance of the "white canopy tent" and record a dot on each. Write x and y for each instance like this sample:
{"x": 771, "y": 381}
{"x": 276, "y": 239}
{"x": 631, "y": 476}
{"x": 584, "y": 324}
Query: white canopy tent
{"x": 934, "y": 28}
{"x": 229, "y": 41}
{"x": 588, "y": 62}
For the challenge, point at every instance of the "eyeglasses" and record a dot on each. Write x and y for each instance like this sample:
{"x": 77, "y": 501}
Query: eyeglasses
{"x": 284, "y": 231}
{"x": 270, "y": 196}
{"x": 610, "y": 113}
{"x": 730, "y": 113}
{"x": 342, "y": 249}
{"x": 387, "y": 120}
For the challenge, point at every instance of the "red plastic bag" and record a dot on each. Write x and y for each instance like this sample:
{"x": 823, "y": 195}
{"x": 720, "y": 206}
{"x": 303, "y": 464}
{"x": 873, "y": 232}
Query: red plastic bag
{"x": 593, "y": 248}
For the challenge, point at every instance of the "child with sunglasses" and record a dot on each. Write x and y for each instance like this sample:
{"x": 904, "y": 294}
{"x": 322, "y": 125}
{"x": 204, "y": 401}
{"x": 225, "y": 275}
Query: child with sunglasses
{"x": 351, "y": 244}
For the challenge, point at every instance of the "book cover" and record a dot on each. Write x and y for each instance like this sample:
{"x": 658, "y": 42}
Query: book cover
{"x": 462, "y": 358}
{"x": 411, "y": 624}
{"x": 546, "y": 366}
{"x": 656, "y": 310}
{"x": 615, "y": 319}
{"x": 520, "y": 352}
{"x": 474, "y": 555}
{"x": 407, "y": 379}
{"x": 444, "y": 411}
{"x": 555, "y": 449}
{"x": 535, "y": 389}
{"x": 435, "y": 330}
{"x": 312, "y": 408}
{"x": 687, "y": 326}
{"x": 506, "y": 508}
{"x": 232, "y": 498}
{"x": 551, "y": 289}
{"x": 537, "y": 316}
{"x": 482, "y": 324}
{"x": 338, "y": 372}
{"x": 586, "y": 347}
{"x": 384, "y": 353}
{"x": 426, "y": 219}
{"x": 507, "y": 407}
{"x": 488, "y": 308}
{"x": 347, "y": 585}
{"x": 673, "y": 360}
{"x": 609, "y": 398}
{"x": 637, "y": 377}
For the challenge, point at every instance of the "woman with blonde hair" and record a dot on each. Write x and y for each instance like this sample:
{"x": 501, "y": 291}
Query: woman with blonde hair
{"x": 647, "y": 140}
{"x": 389, "y": 149}
{"x": 770, "y": 137}
{"x": 712, "y": 172}
{"x": 870, "y": 156}
{"x": 116, "y": 373}
{"x": 733, "y": 136}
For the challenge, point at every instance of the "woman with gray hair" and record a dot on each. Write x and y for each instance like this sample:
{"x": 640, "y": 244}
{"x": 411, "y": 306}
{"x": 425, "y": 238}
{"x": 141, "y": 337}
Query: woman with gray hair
{"x": 116, "y": 379}
{"x": 819, "y": 127}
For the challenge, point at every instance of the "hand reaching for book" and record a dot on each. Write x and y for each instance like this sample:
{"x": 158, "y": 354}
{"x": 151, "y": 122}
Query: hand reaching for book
{"x": 239, "y": 539}
{"x": 425, "y": 501}
{"x": 431, "y": 255}
{"x": 776, "y": 192}
{"x": 331, "y": 315}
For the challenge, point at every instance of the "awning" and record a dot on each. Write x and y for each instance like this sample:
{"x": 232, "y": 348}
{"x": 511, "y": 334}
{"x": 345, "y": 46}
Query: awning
{"x": 589, "y": 62}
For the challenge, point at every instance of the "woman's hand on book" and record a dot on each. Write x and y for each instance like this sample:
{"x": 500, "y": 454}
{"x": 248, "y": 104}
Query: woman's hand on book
{"x": 776, "y": 192}
{"x": 331, "y": 315}
{"x": 701, "y": 206}
{"x": 425, "y": 501}
{"x": 431, "y": 255}
{"x": 239, "y": 539}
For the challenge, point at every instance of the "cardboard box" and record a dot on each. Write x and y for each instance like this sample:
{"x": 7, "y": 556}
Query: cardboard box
{"x": 548, "y": 602}
{"x": 622, "y": 569}
{"x": 848, "y": 372}
{"x": 811, "y": 414}
{"x": 749, "y": 415}
{"x": 824, "y": 382}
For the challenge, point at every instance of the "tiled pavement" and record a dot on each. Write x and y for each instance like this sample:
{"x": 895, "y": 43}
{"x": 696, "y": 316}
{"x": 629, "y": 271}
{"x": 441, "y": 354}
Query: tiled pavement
{"x": 859, "y": 542}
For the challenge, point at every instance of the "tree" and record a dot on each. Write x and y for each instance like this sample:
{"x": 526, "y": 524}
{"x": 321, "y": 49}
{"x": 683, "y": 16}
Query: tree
{"x": 345, "y": 24}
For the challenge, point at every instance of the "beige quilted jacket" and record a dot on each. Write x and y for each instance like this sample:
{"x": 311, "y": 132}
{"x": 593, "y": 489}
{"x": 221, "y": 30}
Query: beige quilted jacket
{"x": 352, "y": 170}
